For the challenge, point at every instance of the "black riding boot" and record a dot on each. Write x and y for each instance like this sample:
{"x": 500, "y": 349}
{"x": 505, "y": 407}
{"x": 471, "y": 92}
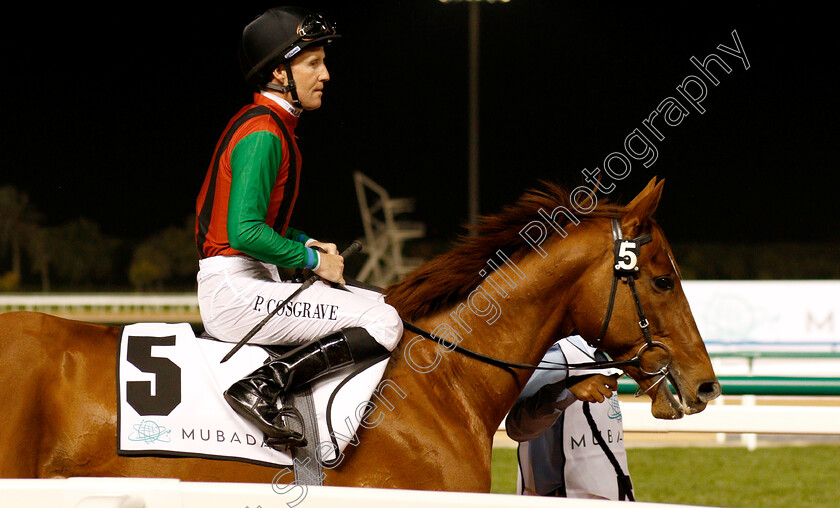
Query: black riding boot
{"x": 255, "y": 396}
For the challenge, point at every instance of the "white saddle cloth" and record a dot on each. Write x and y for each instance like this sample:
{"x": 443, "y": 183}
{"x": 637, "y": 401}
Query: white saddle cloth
{"x": 170, "y": 386}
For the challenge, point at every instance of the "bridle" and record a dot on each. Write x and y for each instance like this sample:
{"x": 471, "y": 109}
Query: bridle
{"x": 625, "y": 269}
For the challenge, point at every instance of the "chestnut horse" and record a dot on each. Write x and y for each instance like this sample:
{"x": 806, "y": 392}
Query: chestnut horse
{"x": 534, "y": 273}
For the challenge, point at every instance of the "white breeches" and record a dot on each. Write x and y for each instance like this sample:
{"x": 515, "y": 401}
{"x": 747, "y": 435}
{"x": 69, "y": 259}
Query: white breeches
{"x": 235, "y": 293}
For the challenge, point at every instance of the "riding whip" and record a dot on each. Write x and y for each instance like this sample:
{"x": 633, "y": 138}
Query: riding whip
{"x": 352, "y": 249}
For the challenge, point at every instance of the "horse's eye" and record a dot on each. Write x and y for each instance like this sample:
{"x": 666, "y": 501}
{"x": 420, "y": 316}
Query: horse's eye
{"x": 664, "y": 283}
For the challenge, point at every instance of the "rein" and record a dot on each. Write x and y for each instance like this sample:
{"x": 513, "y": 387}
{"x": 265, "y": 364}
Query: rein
{"x": 506, "y": 364}
{"x": 626, "y": 255}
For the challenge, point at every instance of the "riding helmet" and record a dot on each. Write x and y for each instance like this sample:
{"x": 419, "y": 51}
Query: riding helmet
{"x": 276, "y": 36}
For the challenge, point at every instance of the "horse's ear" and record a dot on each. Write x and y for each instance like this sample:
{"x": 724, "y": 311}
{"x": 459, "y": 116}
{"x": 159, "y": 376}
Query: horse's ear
{"x": 641, "y": 208}
{"x": 647, "y": 190}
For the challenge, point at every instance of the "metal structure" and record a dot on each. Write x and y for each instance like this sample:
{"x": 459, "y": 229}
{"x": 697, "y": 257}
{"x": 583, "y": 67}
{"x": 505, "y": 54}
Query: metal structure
{"x": 386, "y": 232}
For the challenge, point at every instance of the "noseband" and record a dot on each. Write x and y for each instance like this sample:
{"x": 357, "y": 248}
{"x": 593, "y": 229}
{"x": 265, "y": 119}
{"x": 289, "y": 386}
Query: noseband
{"x": 625, "y": 269}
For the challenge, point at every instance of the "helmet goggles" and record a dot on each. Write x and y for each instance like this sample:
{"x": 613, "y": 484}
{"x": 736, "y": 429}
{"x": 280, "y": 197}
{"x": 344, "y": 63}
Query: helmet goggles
{"x": 314, "y": 26}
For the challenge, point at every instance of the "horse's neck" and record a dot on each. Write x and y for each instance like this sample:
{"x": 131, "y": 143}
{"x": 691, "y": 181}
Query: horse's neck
{"x": 515, "y": 314}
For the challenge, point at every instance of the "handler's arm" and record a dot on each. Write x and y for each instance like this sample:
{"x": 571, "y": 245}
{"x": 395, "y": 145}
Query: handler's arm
{"x": 541, "y": 402}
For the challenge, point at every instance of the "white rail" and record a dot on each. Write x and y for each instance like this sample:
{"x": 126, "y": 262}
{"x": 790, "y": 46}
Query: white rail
{"x": 106, "y": 306}
{"x": 169, "y": 493}
{"x": 737, "y": 419}
{"x": 100, "y": 300}
{"x": 801, "y": 315}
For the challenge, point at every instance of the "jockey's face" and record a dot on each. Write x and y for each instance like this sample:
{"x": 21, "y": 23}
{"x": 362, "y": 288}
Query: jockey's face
{"x": 310, "y": 73}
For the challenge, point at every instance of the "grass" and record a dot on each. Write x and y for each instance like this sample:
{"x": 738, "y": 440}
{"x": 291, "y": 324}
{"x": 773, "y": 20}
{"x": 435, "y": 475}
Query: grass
{"x": 789, "y": 477}
{"x": 503, "y": 471}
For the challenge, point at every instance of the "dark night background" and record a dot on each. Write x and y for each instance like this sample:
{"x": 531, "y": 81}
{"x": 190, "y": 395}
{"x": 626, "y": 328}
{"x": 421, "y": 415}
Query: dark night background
{"x": 113, "y": 113}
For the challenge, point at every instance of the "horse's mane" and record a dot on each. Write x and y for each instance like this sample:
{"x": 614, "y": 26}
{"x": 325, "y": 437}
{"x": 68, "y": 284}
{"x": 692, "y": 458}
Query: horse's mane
{"x": 450, "y": 277}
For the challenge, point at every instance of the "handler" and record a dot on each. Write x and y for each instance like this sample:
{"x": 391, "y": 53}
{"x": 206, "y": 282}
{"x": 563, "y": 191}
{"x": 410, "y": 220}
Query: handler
{"x": 242, "y": 232}
{"x": 559, "y": 453}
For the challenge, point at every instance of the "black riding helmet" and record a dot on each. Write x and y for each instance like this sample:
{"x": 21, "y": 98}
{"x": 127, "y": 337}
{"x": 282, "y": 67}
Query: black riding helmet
{"x": 274, "y": 38}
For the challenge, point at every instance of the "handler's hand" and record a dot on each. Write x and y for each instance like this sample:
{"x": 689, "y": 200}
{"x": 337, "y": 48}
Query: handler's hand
{"x": 596, "y": 388}
{"x": 331, "y": 267}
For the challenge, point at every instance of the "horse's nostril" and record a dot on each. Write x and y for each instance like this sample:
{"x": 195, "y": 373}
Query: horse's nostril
{"x": 709, "y": 390}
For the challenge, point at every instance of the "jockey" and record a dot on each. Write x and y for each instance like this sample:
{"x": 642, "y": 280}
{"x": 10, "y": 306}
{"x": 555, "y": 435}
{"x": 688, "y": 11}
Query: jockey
{"x": 243, "y": 234}
{"x": 559, "y": 453}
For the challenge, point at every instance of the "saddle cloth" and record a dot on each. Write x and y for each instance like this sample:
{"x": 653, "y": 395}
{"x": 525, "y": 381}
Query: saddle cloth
{"x": 170, "y": 385}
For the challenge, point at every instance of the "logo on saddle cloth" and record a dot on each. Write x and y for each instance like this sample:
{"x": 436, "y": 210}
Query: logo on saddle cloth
{"x": 170, "y": 387}
{"x": 149, "y": 432}
{"x": 615, "y": 408}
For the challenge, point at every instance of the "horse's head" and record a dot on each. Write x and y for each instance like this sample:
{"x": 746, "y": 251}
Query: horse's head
{"x": 673, "y": 348}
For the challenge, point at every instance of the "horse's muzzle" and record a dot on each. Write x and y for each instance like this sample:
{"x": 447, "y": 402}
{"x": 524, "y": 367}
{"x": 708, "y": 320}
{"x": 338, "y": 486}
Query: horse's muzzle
{"x": 706, "y": 391}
